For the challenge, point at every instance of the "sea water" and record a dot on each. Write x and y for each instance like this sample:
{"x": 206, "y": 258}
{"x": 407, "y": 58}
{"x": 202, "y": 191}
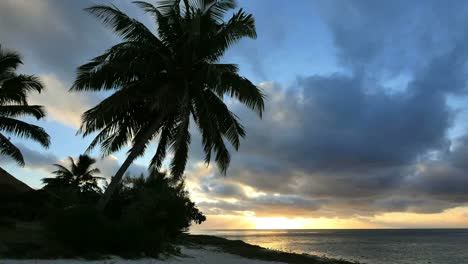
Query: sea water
{"x": 394, "y": 246}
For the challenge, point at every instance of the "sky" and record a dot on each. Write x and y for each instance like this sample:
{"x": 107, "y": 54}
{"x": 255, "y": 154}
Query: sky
{"x": 365, "y": 120}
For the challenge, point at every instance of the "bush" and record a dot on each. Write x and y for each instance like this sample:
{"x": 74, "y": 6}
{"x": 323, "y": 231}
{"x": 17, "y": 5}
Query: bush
{"x": 144, "y": 216}
{"x": 27, "y": 206}
{"x": 81, "y": 228}
{"x": 159, "y": 201}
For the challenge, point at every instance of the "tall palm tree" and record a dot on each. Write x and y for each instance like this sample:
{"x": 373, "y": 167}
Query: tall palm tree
{"x": 160, "y": 81}
{"x": 14, "y": 89}
{"x": 80, "y": 174}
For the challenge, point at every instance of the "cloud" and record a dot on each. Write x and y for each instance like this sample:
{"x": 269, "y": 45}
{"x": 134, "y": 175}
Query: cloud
{"x": 54, "y": 38}
{"x": 62, "y": 106}
{"x": 223, "y": 189}
{"x": 392, "y": 37}
{"x": 348, "y": 147}
{"x": 367, "y": 140}
{"x": 33, "y": 159}
{"x": 110, "y": 164}
{"x": 60, "y": 35}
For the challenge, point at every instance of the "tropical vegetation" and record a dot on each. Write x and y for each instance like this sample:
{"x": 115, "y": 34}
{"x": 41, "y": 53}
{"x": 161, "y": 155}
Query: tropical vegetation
{"x": 14, "y": 91}
{"x": 80, "y": 175}
{"x": 162, "y": 85}
{"x": 163, "y": 81}
{"x": 145, "y": 216}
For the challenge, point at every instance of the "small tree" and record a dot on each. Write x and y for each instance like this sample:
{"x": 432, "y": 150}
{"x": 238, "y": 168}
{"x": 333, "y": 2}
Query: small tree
{"x": 80, "y": 175}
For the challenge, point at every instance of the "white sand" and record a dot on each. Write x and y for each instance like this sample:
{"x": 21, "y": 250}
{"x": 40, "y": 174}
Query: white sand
{"x": 190, "y": 255}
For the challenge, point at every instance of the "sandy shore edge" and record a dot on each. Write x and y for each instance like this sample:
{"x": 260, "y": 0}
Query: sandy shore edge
{"x": 206, "y": 255}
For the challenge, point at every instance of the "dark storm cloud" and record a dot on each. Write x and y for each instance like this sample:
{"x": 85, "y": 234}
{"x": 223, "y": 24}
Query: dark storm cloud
{"x": 393, "y": 36}
{"x": 445, "y": 178}
{"x": 221, "y": 189}
{"x": 265, "y": 205}
{"x": 55, "y": 36}
{"x": 356, "y": 142}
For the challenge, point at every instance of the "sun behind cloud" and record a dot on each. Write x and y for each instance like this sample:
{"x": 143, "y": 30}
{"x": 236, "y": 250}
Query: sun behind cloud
{"x": 277, "y": 223}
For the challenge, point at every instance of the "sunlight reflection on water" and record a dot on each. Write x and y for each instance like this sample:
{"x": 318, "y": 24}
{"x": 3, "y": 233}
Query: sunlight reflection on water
{"x": 404, "y": 246}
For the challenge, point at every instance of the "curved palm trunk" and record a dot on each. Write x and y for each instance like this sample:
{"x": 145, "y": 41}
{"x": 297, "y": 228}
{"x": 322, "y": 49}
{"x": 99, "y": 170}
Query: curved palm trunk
{"x": 136, "y": 149}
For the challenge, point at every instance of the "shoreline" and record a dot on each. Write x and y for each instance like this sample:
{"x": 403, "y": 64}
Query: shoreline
{"x": 193, "y": 249}
{"x": 254, "y": 252}
{"x": 205, "y": 255}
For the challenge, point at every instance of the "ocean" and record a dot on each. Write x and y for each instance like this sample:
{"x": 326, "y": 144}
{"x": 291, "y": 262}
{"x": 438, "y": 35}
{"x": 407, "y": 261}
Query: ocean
{"x": 389, "y": 246}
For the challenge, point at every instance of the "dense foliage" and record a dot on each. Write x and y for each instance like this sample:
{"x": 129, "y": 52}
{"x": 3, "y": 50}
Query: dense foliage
{"x": 161, "y": 82}
{"x": 144, "y": 217}
{"x": 75, "y": 184}
{"x": 14, "y": 90}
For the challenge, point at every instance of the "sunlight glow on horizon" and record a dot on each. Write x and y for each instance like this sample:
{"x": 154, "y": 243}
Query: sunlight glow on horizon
{"x": 277, "y": 223}
{"x": 451, "y": 218}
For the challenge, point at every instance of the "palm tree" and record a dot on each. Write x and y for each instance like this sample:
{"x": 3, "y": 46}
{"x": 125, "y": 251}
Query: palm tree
{"x": 160, "y": 82}
{"x": 14, "y": 89}
{"x": 80, "y": 175}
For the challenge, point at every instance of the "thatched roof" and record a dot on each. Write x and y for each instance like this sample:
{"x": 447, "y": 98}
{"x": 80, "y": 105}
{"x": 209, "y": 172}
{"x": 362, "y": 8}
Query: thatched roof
{"x": 11, "y": 185}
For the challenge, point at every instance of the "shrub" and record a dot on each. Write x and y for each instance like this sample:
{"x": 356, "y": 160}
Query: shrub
{"x": 159, "y": 201}
{"x": 27, "y": 206}
{"x": 143, "y": 217}
{"x": 80, "y": 228}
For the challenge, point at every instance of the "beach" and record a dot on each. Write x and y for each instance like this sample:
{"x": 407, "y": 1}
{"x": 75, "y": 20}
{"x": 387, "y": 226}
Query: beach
{"x": 206, "y": 255}
{"x": 193, "y": 249}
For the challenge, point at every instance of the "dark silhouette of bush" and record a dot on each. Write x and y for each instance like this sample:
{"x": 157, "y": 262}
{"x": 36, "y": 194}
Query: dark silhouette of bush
{"x": 157, "y": 200}
{"x": 145, "y": 215}
{"x": 26, "y": 206}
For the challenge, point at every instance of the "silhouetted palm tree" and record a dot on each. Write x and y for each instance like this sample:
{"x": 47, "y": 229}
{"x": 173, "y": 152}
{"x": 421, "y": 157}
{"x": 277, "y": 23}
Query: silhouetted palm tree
{"x": 160, "y": 81}
{"x": 80, "y": 174}
{"x": 14, "y": 89}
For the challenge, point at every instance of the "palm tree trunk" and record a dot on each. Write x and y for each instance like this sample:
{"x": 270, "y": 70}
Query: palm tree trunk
{"x": 136, "y": 149}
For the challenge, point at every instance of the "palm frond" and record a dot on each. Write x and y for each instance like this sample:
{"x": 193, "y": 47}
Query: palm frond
{"x": 119, "y": 106}
{"x": 218, "y": 8}
{"x": 129, "y": 28}
{"x": 117, "y": 67}
{"x": 165, "y": 138}
{"x": 9, "y": 149}
{"x": 241, "y": 89}
{"x": 16, "y": 88}
{"x": 9, "y": 61}
{"x": 22, "y": 110}
{"x": 240, "y": 25}
{"x": 94, "y": 171}
{"x": 24, "y": 130}
{"x": 180, "y": 146}
{"x": 228, "y": 122}
{"x": 63, "y": 172}
{"x": 167, "y": 16}
{"x": 144, "y": 135}
{"x": 164, "y": 6}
